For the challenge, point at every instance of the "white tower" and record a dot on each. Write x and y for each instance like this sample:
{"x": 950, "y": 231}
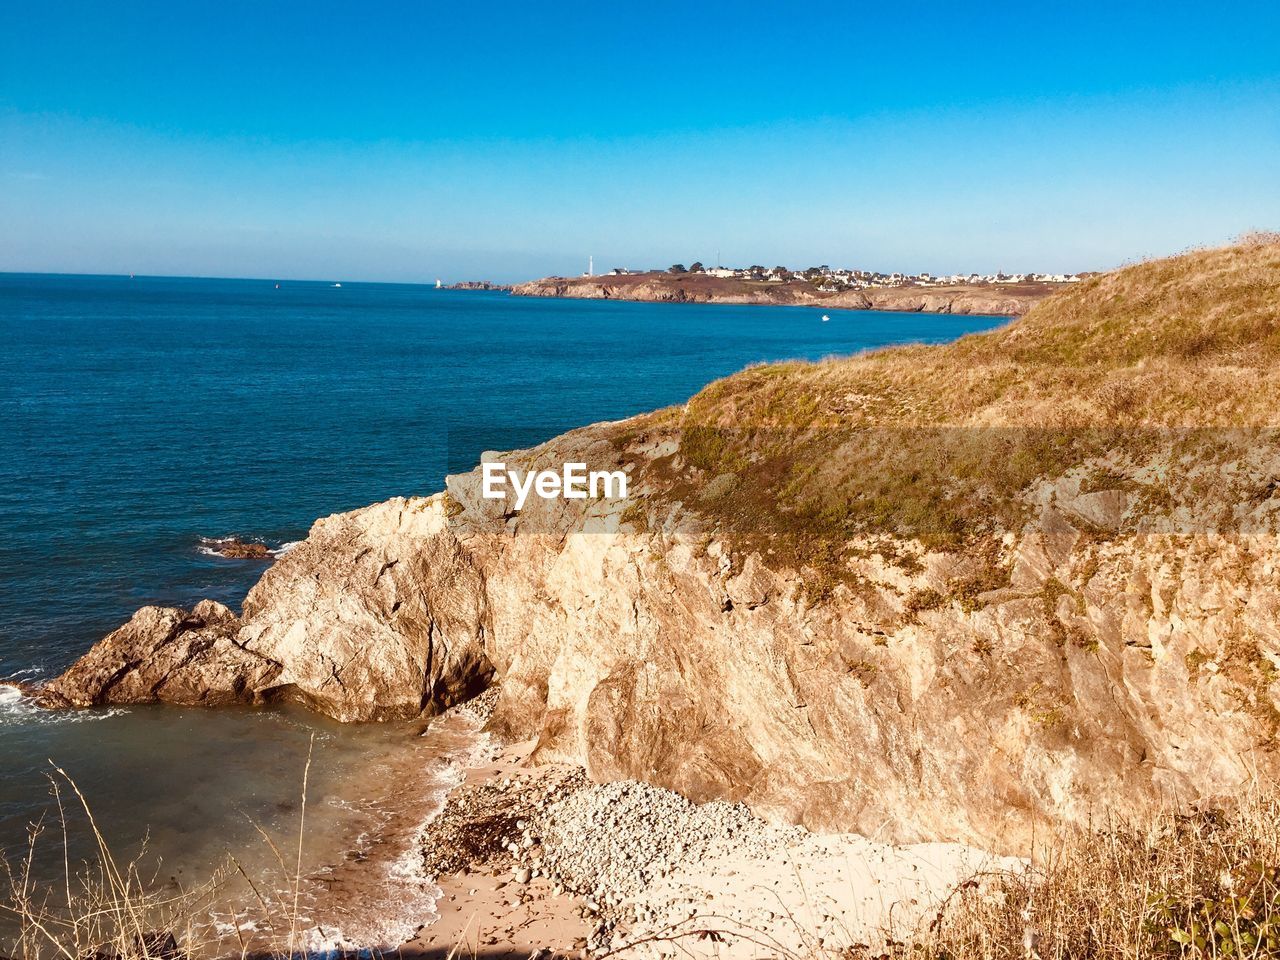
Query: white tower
{"x": 591, "y": 266}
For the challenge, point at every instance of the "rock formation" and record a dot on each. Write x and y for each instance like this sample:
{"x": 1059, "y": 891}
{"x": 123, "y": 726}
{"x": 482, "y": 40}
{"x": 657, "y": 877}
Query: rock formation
{"x": 479, "y": 285}
{"x": 378, "y": 615}
{"x": 771, "y": 618}
{"x": 233, "y": 548}
{"x": 167, "y": 655}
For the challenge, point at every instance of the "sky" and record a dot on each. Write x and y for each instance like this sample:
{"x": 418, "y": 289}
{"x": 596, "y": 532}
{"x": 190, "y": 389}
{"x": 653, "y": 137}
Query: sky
{"x": 506, "y": 141}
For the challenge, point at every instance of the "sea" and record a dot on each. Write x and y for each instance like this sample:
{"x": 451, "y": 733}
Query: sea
{"x": 142, "y": 418}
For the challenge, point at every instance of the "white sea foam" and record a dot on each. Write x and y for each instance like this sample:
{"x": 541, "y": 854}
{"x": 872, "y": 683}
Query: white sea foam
{"x": 410, "y": 896}
{"x": 26, "y": 673}
{"x": 17, "y": 708}
{"x": 10, "y": 697}
{"x": 212, "y": 546}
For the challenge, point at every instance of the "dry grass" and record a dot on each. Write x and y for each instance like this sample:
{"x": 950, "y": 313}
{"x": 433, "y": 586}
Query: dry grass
{"x": 103, "y": 909}
{"x": 1205, "y": 885}
{"x": 1152, "y": 363}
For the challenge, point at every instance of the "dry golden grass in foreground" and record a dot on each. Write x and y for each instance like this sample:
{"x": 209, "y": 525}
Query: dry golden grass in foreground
{"x": 1202, "y": 885}
{"x": 105, "y": 909}
{"x": 101, "y": 909}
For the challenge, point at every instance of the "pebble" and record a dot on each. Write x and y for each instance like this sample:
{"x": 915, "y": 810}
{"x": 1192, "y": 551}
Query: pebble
{"x": 606, "y": 843}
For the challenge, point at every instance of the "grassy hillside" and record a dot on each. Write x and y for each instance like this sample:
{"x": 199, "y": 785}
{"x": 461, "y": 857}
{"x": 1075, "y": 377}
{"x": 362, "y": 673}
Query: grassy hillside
{"x": 1139, "y": 381}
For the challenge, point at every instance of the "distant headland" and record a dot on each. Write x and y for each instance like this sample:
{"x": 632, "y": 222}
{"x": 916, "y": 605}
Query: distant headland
{"x": 997, "y": 294}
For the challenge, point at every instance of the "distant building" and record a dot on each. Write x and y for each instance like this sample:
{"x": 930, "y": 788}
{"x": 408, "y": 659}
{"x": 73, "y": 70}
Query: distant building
{"x": 829, "y": 280}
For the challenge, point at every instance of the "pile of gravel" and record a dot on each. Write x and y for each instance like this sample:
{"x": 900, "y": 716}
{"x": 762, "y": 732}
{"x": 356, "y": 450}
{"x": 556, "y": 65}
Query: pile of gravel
{"x": 611, "y": 841}
{"x": 484, "y": 823}
{"x": 479, "y": 708}
{"x": 606, "y": 843}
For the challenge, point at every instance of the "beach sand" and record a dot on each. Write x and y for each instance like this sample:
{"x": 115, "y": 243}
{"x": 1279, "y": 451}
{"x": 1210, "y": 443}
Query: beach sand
{"x": 538, "y": 860}
{"x": 482, "y": 910}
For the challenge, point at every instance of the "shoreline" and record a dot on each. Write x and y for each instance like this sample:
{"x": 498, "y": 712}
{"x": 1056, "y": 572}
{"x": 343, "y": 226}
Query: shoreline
{"x": 536, "y": 859}
{"x": 378, "y": 893}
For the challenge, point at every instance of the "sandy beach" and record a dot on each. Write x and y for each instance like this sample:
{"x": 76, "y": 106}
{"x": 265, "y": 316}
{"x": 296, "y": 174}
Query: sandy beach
{"x": 537, "y": 859}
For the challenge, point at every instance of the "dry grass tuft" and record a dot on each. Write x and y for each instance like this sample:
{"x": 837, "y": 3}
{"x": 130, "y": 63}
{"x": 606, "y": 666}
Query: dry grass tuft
{"x": 102, "y": 910}
{"x": 1205, "y": 885}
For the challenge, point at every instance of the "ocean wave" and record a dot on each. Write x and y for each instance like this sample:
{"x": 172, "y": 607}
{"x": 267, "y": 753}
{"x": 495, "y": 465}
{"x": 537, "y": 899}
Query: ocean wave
{"x": 407, "y": 898}
{"x": 284, "y": 548}
{"x": 24, "y": 675}
{"x": 18, "y": 708}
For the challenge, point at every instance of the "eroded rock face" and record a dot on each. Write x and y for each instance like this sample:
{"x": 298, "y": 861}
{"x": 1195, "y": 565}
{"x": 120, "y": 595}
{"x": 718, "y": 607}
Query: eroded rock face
{"x": 379, "y": 615}
{"x": 167, "y": 655}
{"x": 1104, "y": 674}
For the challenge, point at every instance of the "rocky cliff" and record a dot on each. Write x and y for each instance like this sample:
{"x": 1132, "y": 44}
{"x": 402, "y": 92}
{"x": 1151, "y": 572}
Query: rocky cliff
{"x": 956, "y": 592}
{"x": 698, "y": 288}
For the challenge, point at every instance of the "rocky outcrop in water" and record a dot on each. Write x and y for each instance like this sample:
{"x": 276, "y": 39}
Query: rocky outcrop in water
{"x": 233, "y": 548}
{"x": 379, "y": 615}
{"x": 167, "y": 655}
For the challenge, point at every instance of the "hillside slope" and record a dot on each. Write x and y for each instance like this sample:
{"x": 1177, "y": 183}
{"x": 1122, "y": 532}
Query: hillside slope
{"x": 958, "y": 592}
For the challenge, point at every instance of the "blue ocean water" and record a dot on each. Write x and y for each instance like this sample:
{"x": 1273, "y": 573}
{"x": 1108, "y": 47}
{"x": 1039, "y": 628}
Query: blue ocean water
{"x": 140, "y": 415}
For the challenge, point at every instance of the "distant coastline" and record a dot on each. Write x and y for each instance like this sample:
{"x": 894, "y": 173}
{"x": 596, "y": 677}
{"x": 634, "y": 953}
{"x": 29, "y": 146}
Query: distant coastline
{"x": 1013, "y": 299}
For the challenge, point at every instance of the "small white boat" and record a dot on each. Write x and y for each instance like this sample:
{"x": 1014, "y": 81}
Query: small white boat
{"x": 825, "y": 318}
{"x": 336, "y": 284}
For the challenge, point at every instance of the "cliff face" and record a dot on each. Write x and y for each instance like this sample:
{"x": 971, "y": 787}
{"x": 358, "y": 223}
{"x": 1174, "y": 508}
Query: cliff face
{"x": 916, "y": 594}
{"x": 987, "y": 301}
{"x": 1102, "y": 675}
{"x": 697, "y": 288}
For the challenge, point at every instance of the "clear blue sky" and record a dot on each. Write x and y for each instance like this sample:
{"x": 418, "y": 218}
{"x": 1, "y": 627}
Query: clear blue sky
{"x": 405, "y": 141}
